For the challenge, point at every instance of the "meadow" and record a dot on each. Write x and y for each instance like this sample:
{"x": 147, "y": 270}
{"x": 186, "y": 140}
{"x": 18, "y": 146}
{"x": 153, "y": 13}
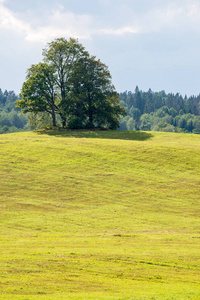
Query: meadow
{"x": 99, "y": 215}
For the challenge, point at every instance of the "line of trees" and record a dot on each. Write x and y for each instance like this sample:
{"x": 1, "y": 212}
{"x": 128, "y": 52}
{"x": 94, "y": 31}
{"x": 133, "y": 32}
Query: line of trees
{"x": 72, "y": 87}
{"x": 159, "y": 111}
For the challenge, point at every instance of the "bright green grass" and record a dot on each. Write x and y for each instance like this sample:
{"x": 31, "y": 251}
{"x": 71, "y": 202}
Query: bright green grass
{"x": 99, "y": 215}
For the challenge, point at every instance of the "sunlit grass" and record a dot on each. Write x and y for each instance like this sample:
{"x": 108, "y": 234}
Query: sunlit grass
{"x": 99, "y": 215}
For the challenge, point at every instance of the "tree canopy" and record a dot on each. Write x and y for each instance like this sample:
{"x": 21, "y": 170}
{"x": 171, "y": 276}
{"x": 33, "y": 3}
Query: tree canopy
{"x": 39, "y": 91}
{"x": 93, "y": 99}
{"x": 71, "y": 86}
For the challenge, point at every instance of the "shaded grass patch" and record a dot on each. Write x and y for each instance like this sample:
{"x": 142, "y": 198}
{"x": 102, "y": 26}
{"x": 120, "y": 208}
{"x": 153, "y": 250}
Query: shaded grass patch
{"x": 98, "y": 134}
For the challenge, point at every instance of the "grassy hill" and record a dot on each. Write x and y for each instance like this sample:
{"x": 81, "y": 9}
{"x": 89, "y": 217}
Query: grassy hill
{"x": 99, "y": 215}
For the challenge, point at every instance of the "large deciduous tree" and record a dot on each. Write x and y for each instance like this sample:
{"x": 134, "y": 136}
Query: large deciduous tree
{"x": 72, "y": 84}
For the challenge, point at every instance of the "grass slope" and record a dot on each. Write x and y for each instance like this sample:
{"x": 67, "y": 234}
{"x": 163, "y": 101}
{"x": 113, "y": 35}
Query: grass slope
{"x": 99, "y": 215}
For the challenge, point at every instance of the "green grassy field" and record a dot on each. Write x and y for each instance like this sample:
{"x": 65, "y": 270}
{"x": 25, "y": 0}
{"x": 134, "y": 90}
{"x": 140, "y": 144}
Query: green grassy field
{"x": 99, "y": 215}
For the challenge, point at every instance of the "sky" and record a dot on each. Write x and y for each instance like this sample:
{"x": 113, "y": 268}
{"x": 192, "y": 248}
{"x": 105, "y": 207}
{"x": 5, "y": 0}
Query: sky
{"x": 146, "y": 43}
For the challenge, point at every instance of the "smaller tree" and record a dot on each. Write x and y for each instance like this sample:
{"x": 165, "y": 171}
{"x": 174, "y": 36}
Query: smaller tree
{"x": 38, "y": 91}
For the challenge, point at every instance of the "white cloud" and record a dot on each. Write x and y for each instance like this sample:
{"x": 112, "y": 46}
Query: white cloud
{"x": 56, "y": 23}
{"x": 120, "y": 31}
{"x": 61, "y": 24}
{"x": 8, "y": 20}
{"x": 174, "y": 17}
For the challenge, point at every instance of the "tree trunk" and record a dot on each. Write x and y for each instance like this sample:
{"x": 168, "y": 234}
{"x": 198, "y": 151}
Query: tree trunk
{"x": 53, "y": 115}
{"x": 53, "y": 119}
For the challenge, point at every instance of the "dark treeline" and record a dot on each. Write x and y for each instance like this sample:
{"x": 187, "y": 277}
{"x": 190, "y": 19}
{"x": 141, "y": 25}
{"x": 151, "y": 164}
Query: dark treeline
{"x": 159, "y": 111}
{"x": 11, "y": 119}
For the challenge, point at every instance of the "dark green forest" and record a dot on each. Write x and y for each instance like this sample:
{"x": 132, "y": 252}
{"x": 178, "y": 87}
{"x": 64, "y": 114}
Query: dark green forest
{"x": 159, "y": 111}
{"x": 156, "y": 111}
{"x": 11, "y": 119}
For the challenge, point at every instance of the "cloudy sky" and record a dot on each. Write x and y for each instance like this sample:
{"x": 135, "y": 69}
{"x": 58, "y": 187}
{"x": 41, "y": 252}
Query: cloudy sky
{"x": 152, "y": 44}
